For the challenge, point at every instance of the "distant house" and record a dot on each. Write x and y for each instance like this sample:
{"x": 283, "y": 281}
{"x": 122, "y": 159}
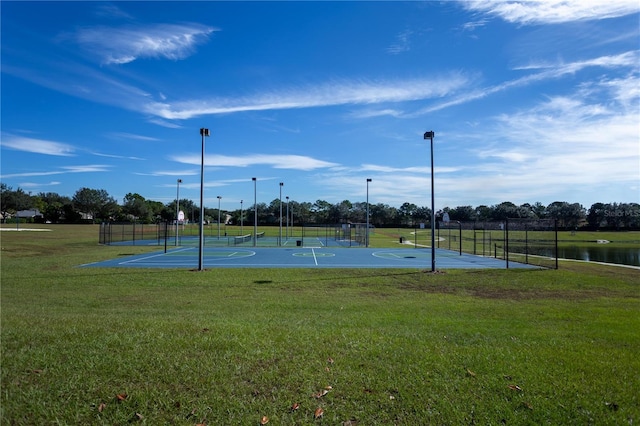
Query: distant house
{"x": 29, "y": 214}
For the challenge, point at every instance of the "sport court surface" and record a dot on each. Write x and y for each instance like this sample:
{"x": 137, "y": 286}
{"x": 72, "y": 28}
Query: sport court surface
{"x": 312, "y": 254}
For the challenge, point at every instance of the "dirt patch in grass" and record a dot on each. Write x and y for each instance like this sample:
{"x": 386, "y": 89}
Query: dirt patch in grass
{"x": 508, "y": 293}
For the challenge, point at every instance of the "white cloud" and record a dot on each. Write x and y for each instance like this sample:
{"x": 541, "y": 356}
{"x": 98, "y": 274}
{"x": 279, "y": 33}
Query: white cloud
{"x": 532, "y": 12}
{"x": 327, "y": 94}
{"x": 565, "y": 145}
{"x": 402, "y": 43}
{"x": 37, "y": 146}
{"x": 127, "y": 44}
{"x": 623, "y": 60}
{"x": 296, "y": 162}
{"x": 124, "y": 135}
{"x": 27, "y": 185}
{"x": 65, "y": 169}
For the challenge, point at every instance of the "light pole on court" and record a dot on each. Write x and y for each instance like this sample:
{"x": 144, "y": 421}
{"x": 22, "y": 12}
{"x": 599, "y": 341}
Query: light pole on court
{"x": 287, "y": 232}
{"x": 280, "y": 234}
{"x": 203, "y": 132}
{"x": 367, "y": 231}
{"x": 178, "y": 209}
{"x": 219, "y": 198}
{"x": 430, "y": 135}
{"x": 241, "y": 217}
{"x": 255, "y": 212}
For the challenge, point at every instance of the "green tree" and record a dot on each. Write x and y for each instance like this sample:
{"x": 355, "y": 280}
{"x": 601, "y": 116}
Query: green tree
{"x": 136, "y": 206}
{"x": 97, "y": 203}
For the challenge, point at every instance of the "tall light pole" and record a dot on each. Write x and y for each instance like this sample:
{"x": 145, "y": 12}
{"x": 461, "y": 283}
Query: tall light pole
{"x": 287, "y": 233}
{"x": 203, "y": 132}
{"x": 177, "y": 209}
{"x": 430, "y": 135}
{"x": 367, "y": 232}
{"x": 255, "y": 212}
{"x": 241, "y": 217}
{"x": 219, "y": 198}
{"x": 280, "y": 235}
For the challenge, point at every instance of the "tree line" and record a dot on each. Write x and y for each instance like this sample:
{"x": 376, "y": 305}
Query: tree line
{"x": 96, "y": 205}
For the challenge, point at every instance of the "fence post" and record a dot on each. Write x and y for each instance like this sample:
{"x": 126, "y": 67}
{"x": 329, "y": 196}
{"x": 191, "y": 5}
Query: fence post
{"x": 555, "y": 227}
{"x": 506, "y": 241}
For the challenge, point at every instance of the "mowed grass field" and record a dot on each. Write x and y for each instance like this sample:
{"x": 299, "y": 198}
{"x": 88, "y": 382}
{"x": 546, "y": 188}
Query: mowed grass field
{"x": 308, "y": 346}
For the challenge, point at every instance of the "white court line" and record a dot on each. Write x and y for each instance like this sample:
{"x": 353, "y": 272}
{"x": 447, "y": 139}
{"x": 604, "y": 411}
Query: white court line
{"x": 150, "y": 257}
{"x": 315, "y": 259}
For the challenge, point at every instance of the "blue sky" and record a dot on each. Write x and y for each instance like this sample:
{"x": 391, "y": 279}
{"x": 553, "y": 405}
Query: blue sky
{"x": 530, "y": 101}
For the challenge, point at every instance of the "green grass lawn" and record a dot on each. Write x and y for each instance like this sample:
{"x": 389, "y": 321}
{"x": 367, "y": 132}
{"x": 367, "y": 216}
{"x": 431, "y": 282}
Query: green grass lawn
{"x": 228, "y": 346}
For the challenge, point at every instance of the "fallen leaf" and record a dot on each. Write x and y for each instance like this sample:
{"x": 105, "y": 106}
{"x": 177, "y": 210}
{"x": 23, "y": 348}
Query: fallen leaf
{"x": 328, "y": 387}
{"x": 527, "y": 405}
{"x": 320, "y": 394}
{"x": 330, "y": 360}
{"x": 101, "y": 407}
{"x": 295, "y": 406}
{"x": 471, "y": 373}
{"x": 515, "y": 387}
{"x": 319, "y": 412}
{"x": 264, "y": 420}
{"x": 121, "y": 396}
{"x": 392, "y": 397}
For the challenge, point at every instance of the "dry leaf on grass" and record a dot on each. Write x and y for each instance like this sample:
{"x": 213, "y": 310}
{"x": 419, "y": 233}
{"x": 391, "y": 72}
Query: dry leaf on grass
{"x": 319, "y": 413}
{"x": 264, "y": 420}
{"x": 471, "y": 373}
{"x": 101, "y": 407}
{"x": 320, "y": 394}
{"x": 515, "y": 388}
{"x": 121, "y": 397}
{"x": 295, "y": 406}
{"x": 330, "y": 360}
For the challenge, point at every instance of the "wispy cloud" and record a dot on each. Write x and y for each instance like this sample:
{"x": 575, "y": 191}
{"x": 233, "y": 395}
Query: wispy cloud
{"x": 177, "y": 173}
{"x": 124, "y": 135}
{"x": 37, "y": 146}
{"x": 127, "y": 44}
{"x": 402, "y": 43}
{"x": 27, "y": 185}
{"x": 123, "y": 157}
{"x": 553, "y": 11}
{"x": 327, "y": 94}
{"x": 295, "y": 162}
{"x": 92, "y": 168}
{"x": 110, "y": 10}
{"x": 551, "y": 71}
{"x": 567, "y": 144}
{"x": 372, "y": 113}
{"x": 164, "y": 123}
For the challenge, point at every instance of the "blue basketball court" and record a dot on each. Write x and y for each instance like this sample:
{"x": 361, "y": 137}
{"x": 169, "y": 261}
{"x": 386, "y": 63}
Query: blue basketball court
{"x": 307, "y": 257}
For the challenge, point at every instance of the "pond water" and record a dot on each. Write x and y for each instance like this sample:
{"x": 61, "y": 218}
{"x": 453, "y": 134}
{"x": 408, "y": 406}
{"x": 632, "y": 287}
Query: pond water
{"x": 602, "y": 253}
